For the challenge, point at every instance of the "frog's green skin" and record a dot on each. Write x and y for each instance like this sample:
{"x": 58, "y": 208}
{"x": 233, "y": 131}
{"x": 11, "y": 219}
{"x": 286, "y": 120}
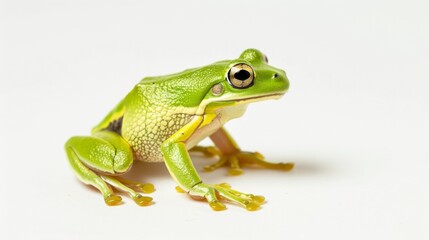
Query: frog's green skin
{"x": 164, "y": 117}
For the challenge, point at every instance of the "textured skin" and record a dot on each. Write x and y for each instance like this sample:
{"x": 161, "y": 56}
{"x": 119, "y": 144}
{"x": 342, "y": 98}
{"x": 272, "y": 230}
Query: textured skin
{"x": 146, "y": 132}
{"x": 105, "y": 151}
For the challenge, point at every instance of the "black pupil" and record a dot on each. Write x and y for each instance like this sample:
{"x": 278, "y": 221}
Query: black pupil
{"x": 242, "y": 75}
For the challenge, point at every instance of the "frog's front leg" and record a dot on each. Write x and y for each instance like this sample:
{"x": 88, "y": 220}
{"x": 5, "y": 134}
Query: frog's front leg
{"x": 180, "y": 166}
{"x": 98, "y": 159}
{"x": 229, "y": 153}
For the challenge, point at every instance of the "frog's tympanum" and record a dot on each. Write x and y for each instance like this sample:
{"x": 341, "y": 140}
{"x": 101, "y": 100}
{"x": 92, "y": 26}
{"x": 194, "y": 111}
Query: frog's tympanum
{"x": 163, "y": 118}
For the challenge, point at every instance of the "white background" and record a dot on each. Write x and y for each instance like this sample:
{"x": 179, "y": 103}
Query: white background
{"x": 355, "y": 120}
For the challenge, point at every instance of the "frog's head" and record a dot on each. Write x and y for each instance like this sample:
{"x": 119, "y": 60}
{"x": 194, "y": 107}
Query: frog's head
{"x": 246, "y": 79}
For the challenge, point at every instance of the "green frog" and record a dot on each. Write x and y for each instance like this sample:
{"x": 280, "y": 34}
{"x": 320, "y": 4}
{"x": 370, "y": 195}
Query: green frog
{"x": 163, "y": 118}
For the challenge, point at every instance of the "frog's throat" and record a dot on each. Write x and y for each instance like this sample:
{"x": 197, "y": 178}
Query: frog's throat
{"x": 235, "y": 101}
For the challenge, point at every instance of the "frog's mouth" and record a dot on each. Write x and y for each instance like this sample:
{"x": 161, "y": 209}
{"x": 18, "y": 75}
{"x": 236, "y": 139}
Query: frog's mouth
{"x": 257, "y": 99}
{"x": 221, "y": 103}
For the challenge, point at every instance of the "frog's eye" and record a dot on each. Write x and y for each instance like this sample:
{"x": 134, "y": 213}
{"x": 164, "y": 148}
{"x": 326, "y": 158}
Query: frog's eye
{"x": 241, "y": 76}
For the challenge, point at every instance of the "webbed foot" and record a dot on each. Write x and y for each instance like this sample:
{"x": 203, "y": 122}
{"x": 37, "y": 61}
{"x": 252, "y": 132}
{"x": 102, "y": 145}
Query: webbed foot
{"x": 215, "y": 193}
{"x": 234, "y": 161}
{"x": 128, "y": 187}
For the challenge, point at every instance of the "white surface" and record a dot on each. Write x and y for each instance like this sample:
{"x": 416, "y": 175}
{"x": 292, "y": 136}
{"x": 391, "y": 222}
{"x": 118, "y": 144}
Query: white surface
{"x": 355, "y": 120}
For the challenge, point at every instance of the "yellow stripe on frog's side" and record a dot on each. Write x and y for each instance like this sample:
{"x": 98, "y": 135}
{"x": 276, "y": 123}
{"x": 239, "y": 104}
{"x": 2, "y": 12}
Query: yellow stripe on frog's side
{"x": 114, "y": 114}
{"x": 208, "y": 118}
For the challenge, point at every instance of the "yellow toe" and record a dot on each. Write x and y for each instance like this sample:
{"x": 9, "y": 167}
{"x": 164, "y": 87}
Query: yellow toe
{"x": 288, "y": 166}
{"x": 143, "y": 200}
{"x": 147, "y": 188}
{"x": 253, "y": 206}
{"x": 180, "y": 190}
{"x": 113, "y": 200}
{"x": 217, "y": 206}
{"x": 259, "y": 199}
{"x": 235, "y": 171}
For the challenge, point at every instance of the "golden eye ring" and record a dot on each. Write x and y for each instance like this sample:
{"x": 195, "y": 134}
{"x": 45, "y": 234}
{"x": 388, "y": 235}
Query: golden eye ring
{"x": 241, "y": 76}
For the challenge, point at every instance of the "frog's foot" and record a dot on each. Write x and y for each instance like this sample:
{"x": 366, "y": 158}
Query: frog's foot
{"x": 240, "y": 158}
{"x": 209, "y": 151}
{"x": 217, "y": 192}
{"x": 140, "y": 187}
{"x": 124, "y": 185}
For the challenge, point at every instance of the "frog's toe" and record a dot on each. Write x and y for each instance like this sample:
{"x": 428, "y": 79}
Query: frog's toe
{"x": 286, "y": 166}
{"x": 140, "y": 187}
{"x": 277, "y": 166}
{"x": 123, "y": 185}
{"x": 146, "y": 187}
{"x": 259, "y": 199}
{"x": 249, "y": 205}
{"x": 180, "y": 190}
{"x": 113, "y": 200}
{"x": 206, "y": 151}
{"x": 222, "y": 161}
{"x": 249, "y": 201}
{"x": 216, "y": 193}
{"x": 253, "y": 206}
{"x": 235, "y": 161}
{"x": 211, "y": 151}
{"x": 235, "y": 171}
{"x": 255, "y": 158}
{"x": 142, "y": 200}
{"x": 234, "y": 164}
{"x": 217, "y": 206}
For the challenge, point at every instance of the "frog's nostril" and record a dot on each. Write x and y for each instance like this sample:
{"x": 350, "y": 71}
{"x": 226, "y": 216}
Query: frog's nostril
{"x": 275, "y": 75}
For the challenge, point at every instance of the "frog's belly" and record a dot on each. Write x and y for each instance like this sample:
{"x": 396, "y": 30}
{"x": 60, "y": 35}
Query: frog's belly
{"x": 145, "y": 134}
{"x": 203, "y": 132}
{"x": 221, "y": 116}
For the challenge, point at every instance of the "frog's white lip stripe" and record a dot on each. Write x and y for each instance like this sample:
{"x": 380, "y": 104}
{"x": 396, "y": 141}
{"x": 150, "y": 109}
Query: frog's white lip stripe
{"x": 258, "y": 98}
{"x": 235, "y": 101}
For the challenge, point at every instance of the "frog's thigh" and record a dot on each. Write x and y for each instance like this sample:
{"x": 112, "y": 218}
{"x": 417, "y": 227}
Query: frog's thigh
{"x": 103, "y": 152}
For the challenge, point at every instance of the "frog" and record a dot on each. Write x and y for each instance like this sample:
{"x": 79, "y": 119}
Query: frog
{"x": 164, "y": 118}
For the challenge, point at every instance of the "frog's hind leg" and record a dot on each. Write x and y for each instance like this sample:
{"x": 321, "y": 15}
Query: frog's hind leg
{"x": 104, "y": 153}
{"x": 88, "y": 176}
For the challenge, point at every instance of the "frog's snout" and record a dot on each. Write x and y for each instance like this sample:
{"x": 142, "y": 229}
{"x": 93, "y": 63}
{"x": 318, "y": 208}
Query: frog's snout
{"x": 280, "y": 73}
{"x": 280, "y": 78}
